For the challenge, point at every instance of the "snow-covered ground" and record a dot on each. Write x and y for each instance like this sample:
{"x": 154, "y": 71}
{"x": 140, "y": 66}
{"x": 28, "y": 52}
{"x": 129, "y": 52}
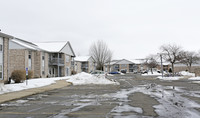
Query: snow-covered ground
{"x": 194, "y": 78}
{"x": 186, "y": 73}
{"x": 169, "y": 78}
{"x": 78, "y": 79}
{"x": 85, "y": 78}
{"x": 32, "y": 83}
{"x": 150, "y": 74}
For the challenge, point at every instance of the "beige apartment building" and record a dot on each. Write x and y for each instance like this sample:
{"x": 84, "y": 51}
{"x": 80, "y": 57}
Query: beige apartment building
{"x": 4, "y": 57}
{"x": 60, "y": 58}
{"x": 24, "y": 54}
{"x": 119, "y": 65}
{"x": 49, "y": 59}
{"x": 84, "y": 64}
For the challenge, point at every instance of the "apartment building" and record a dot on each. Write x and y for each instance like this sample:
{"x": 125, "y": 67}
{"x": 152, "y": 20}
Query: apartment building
{"x": 4, "y": 57}
{"x": 119, "y": 65}
{"x": 24, "y": 54}
{"x": 60, "y": 58}
{"x": 84, "y": 64}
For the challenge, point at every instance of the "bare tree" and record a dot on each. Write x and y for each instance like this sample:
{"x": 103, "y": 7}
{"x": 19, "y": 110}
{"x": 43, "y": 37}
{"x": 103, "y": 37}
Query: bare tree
{"x": 173, "y": 54}
{"x": 101, "y": 54}
{"x": 150, "y": 62}
{"x": 190, "y": 58}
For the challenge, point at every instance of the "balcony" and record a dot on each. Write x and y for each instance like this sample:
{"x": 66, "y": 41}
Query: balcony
{"x": 56, "y": 62}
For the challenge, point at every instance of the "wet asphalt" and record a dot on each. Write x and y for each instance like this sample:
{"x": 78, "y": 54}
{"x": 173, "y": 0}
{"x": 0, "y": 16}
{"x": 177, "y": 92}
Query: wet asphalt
{"x": 130, "y": 99}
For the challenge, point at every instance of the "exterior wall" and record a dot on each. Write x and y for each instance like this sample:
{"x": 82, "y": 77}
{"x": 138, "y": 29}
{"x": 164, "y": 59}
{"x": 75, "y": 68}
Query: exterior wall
{"x": 37, "y": 64}
{"x": 78, "y": 67}
{"x": 16, "y": 60}
{"x": 184, "y": 68}
{"x": 197, "y": 72}
{"x": 68, "y": 65}
{"x": 91, "y": 66}
{"x": 46, "y": 64}
{"x": 5, "y": 59}
{"x": 124, "y": 66}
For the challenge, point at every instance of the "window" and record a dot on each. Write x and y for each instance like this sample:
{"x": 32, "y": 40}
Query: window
{"x": 43, "y": 64}
{"x": 123, "y": 65}
{"x": 29, "y": 60}
{"x": 1, "y": 72}
{"x": 1, "y": 47}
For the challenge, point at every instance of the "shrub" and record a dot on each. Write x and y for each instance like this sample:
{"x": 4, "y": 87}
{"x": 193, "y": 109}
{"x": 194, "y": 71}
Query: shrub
{"x": 73, "y": 72}
{"x": 18, "y": 76}
{"x": 30, "y": 74}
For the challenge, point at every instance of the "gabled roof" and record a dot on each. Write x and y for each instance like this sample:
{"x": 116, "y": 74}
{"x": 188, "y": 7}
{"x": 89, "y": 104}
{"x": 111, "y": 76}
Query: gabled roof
{"x": 5, "y": 35}
{"x": 57, "y": 47}
{"x": 124, "y": 61}
{"x": 82, "y": 58}
{"x": 22, "y": 44}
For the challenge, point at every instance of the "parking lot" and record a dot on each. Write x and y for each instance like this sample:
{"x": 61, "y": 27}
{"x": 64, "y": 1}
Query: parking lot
{"x": 136, "y": 96}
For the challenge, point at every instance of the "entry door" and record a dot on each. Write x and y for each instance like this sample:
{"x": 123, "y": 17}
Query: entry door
{"x": 1, "y": 58}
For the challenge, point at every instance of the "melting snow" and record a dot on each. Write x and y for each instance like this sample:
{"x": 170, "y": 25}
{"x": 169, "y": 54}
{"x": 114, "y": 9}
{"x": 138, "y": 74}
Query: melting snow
{"x": 85, "y": 78}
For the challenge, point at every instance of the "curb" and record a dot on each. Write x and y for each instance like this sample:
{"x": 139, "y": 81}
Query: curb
{"x": 27, "y": 92}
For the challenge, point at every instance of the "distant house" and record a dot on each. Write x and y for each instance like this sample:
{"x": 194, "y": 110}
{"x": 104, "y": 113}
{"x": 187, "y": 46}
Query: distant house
{"x": 60, "y": 58}
{"x": 24, "y": 54}
{"x": 84, "y": 64}
{"x": 119, "y": 65}
{"x": 183, "y": 67}
{"x": 4, "y": 57}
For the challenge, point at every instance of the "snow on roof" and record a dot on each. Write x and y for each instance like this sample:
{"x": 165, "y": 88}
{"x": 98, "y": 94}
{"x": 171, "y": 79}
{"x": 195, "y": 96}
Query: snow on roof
{"x": 52, "y": 46}
{"x": 136, "y": 61}
{"x": 82, "y": 58}
{"x": 124, "y": 61}
{"x": 25, "y": 44}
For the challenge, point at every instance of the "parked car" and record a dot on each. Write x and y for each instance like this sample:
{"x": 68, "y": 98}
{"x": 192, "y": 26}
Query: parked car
{"x": 123, "y": 70}
{"x": 97, "y": 72}
{"x": 114, "y": 72}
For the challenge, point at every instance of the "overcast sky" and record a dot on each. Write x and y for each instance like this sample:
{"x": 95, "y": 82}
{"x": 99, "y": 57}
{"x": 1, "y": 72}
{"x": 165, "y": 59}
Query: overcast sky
{"x": 131, "y": 28}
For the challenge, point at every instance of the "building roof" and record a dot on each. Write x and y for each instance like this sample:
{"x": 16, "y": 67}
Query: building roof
{"x": 23, "y": 44}
{"x": 57, "y": 47}
{"x": 82, "y": 58}
{"x": 5, "y": 35}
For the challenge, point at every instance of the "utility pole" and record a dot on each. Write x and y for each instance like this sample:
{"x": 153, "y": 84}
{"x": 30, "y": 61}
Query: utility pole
{"x": 161, "y": 64}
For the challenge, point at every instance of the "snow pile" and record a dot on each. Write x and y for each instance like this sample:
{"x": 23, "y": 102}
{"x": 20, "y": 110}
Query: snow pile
{"x": 186, "y": 73}
{"x": 169, "y": 78}
{"x": 32, "y": 83}
{"x": 150, "y": 74}
{"x": 85, "y": 78}
{"x": 194, "y": 78}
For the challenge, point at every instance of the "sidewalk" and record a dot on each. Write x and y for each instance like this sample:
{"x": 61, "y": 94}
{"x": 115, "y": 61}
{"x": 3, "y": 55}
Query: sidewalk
{"x": 19, "y": 94}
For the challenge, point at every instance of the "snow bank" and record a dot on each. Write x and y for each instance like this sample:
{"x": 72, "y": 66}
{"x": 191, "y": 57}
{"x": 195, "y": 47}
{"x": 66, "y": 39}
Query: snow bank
{"x": 185, "y": 73}
{"x": 85, "y": 78}
{"x": 169, "y": 78}
{"x": 194, "y": 78}
{"x": 32, "y": 83}
{"x": 150, "y": 74}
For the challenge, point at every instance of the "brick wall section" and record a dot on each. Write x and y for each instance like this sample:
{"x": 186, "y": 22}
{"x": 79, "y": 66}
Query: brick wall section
{"x": 46, "y": 63}
{"x": 5, "y": 59}
{"x": 197, "y": 71}
{"x": 68, "y": 64}
{"x": 16, "y": 59}
{"x": 37, "y": 64}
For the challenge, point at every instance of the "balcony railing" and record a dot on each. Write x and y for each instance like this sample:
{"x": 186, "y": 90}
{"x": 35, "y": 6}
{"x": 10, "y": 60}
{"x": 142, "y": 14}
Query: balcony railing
{"x": 56, "y": 61}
